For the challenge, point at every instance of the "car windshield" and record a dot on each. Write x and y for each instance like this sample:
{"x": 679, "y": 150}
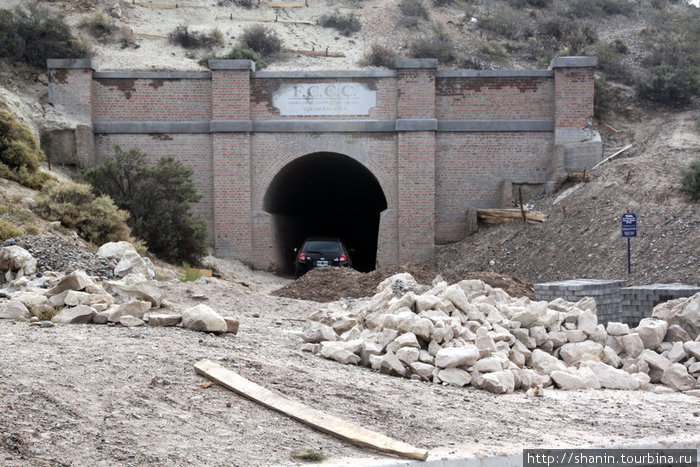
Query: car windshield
{"x": 324, "y": 247}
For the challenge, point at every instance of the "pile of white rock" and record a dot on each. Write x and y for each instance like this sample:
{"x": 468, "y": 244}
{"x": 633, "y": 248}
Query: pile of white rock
{"x": 471, "y": 334}
{"x": 134, "y": 300}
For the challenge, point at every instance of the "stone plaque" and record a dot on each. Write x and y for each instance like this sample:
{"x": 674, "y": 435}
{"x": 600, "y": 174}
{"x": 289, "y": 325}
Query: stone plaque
{"x": 324, "y": 99}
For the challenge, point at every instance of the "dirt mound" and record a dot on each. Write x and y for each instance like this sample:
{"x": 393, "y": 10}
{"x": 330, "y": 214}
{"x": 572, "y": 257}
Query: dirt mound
{"x": 330, "y": 284}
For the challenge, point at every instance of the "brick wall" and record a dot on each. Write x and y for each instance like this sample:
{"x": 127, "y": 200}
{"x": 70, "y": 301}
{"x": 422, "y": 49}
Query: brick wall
{"x": 470, "y": 168}
{"x": 152, "y": 99}
{"x": 494, "y": 98}
{"x": 436, "y": 142}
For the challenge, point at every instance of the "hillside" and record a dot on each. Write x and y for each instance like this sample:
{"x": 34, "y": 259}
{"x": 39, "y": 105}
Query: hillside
{"x": 581, "y": 237}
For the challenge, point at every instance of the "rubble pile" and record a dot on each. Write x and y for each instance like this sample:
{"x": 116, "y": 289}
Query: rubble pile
{"x": 469, "y": 333}
{"x": 132, "y": 299}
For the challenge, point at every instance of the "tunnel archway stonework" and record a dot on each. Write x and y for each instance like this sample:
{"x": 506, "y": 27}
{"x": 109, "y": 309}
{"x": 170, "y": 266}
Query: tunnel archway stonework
{"x": 403, "y": 153}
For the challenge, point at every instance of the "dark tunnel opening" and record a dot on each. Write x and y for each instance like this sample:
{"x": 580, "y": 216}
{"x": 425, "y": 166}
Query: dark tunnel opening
{"x": 326, "y": 194}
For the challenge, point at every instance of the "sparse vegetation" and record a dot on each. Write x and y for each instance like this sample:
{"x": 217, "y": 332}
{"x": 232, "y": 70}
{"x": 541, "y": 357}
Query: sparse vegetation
{"x": 507, "y": 22}
{"x": 262, "y": 40}
{"x": 413, "y": 12}
{"x": 159, "y": 199}
{"x": 95, "y": 218}
{"x": 307, "y": 455}
{"x": 183, "y": 37}
{"x": 33, "y": 35}
{"x": 188, "y": 274}
{"x": 603, "y": 97}
{"x": 691, "y": 179}
{"x": 673, "y": 59}
{"x": 20, "y": 154}
{"x": 598, "y": 8}
{"x": 380, "y": 55}
{"x": 611, "y": 60}
{"x": 345, "y": 24}
{"x": 241, "y": 3}
{"x": 99, "y": 26}
{"x": 241, "y": 52}
{"x": 436, "y": 45}
{"x": 565, "y": 35}
{"x": 8, "y": 230}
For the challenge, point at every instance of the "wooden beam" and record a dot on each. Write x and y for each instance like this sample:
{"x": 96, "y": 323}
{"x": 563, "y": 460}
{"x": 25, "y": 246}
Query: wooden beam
{"x": 613, "y": 156}
{"x": 485, "y": 214}
{"x": 167, "y": 5}
{"x": 327, "y": 423}
{"x": 316, "y": 53}
{"x": 269, "y": 20}
{"x": 283, "y": 4}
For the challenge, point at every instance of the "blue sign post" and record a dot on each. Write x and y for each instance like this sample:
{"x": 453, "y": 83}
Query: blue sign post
{"x": 629, "y": 230}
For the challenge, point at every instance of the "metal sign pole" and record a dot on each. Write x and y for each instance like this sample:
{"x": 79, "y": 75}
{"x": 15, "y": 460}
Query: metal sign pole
{"x": 629, "y": 229}
{"x": 629, "y": 257}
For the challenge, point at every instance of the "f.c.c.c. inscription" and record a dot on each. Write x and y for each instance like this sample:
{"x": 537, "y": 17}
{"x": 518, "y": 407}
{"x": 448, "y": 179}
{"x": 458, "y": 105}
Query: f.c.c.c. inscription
{"x": 324, "y": 99}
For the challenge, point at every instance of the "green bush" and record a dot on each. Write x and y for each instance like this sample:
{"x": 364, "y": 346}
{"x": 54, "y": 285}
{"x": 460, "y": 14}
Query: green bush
{"x": 611, "y": 61}
{"x": 241, "y": 52}
{"x": 188, "y": 274}
{"x": 437, "y": 45}
{"x": 95, "y": 218}
{"x": 99, "y": 26}
{"x": 20, "y": 154}
{"x": 691, "y": 179}
{"x": 34, "y": 35}
{"x": 673, "y": 58}
{"x": 603, "y": 98}
{"x": 159, "y": 198}
{"x": 345, "y": 24}
{"x": 567, "y": 36}
{"x": 187, "y": 39}
{"x": 262, "y": 40}
{"x": 380, "y": 55}
{"x": 241, "y": 3}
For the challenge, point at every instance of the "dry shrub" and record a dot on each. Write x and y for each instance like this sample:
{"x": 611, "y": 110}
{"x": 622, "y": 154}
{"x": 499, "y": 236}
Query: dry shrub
{"x": 20, "y": 153}
{"x": 187, "y": 39}
{"x": 8, "y": 230}
{"x": 436, "y": 45}
{"x": 413, "y": 12}
{"x": 262, "y": 40}
{"x": 380, "y": 56}
{"x": 95, "y": 218}
{"x": 507, "y": 22}
{"x": 99, "y": 26}
{"x": 345, "y": 24}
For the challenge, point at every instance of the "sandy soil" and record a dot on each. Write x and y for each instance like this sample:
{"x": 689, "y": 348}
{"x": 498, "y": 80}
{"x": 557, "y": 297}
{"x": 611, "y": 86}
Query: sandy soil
{"x": 107, "y": 395}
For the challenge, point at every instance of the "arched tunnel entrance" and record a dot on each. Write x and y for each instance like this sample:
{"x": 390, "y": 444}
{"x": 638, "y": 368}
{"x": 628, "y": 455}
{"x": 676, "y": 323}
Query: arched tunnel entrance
{"x": 326, "y": 194}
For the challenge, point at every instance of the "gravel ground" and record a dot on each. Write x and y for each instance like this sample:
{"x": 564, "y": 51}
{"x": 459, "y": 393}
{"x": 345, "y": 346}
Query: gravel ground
{"x": 107, "y": 395}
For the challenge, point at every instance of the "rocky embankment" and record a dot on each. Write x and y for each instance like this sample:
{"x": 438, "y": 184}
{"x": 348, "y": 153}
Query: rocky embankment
{"x": 46, "y": 294}
{"x": 472, "y": 334}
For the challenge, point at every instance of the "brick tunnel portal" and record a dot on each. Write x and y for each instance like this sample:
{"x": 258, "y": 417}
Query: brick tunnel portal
{"x": 325, "y": 194}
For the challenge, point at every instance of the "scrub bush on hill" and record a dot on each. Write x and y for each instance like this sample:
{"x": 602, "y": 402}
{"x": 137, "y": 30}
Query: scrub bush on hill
{"x": 380, "y": 55}
{"x": 95, "y": 218}
{"x": 158, "y": 198}
{"x": 345, "y": 24}
{"x": 187, "y": 39}
{"x": 20, "y": 154}
{"x": 33, "y": 35}
{"x": 262, "y": 40}
{"x": 691, "y": 179}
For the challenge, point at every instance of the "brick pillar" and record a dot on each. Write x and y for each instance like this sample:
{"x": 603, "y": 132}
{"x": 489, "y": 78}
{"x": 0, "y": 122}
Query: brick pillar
{"x": 416, "y": 125}
{"x": 574, "y": 137}
{"x": 70, "y": 92}
{"x": 231, "y": 126}
{"x": 70, "y": 87}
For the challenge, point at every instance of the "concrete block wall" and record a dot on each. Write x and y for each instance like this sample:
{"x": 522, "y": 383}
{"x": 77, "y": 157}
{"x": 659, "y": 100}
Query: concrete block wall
{"x": 605, "y": 292}
{"x": 638, "y": 302}
{"x": 614, "y": 300}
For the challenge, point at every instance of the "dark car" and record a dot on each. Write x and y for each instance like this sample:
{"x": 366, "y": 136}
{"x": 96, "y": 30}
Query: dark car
{"x": 320, "y": 252}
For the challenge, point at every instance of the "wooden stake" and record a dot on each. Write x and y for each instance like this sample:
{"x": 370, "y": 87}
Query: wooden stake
{"x": 321, "y": 421}
{"x": 522, "y": 208}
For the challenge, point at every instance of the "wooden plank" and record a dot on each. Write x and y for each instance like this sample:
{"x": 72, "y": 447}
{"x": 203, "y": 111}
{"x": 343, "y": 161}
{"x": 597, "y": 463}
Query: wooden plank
{"x": 167, "y": 5}
{"x": 283, "y": 4}
{"x": 511, "y": 214}
{"x": 269, "y": 20}
{"x": 316, "y": 53}
{"x": 150, "y": 36}
{"x": 327, "y": 423}
{"x": 609, "y": 158}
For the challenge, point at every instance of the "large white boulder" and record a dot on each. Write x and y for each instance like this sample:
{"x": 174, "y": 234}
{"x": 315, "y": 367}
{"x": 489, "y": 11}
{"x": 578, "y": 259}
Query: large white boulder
{"x": 13, "y": 309}
{"x": 583, "y": 378}
{"x": 316, "y": 332}
{"x": 133, "y": 263}
{"x": 575, "y": 352}
{"x": 17, "y": 262}
{"x": 499, "y": 382}
{"x": 617, "y": 329}
{"x": 203, "y": 318}
{"x": 456, "y": 356}
{"x": 610, "y": 377}
{"x": 454, "y": 376}
{"x": 684, "y": 312}
{"x": 652, "y": 331}
{"x": 80, "y": 314}
{"x": 632, "y": 344}
{"x": 677, "y": 378}
{"x": 545, "y": 364}
{"x": 693, "y": 348}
